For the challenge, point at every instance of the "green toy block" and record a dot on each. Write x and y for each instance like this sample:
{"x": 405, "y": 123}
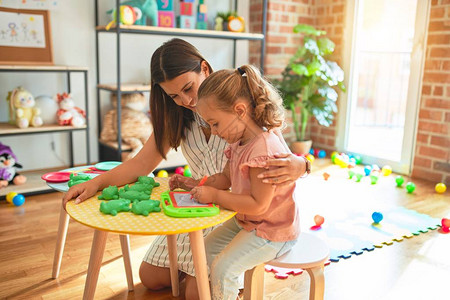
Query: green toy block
{"x": 145, "y": 207}
{"x": 114, "y": 206}
{"x": 133, "y": 195}
{"x": 77, "y": 179}
{"x": 109, "y": 193}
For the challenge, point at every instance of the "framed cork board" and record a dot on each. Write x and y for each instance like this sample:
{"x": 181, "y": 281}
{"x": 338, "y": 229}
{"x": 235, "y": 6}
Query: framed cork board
{"x": 25, "y": 37}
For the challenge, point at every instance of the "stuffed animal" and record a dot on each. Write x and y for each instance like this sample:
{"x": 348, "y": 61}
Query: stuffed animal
{"x": 8, "y": 165}
{"x": 68, "y": 113}
{"x": 21, "y": 109}
{"x": 147, "y": 9}
{"x": 136, "y": 127}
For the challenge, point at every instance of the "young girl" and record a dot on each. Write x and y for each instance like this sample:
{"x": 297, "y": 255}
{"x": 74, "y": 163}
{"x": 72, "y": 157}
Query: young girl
{"x": 242, "y": 108}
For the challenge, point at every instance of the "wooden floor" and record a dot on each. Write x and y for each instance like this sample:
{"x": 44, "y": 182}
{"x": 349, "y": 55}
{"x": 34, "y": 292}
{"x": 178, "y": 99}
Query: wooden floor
{"x": 416, "y": 268}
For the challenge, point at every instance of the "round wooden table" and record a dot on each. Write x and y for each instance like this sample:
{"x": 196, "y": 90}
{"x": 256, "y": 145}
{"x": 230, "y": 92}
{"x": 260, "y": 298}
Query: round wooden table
{"x": 156, "y": 223}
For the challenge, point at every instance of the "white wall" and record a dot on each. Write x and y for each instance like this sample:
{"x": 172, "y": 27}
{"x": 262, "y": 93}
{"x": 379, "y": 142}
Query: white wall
{"x": 73, "y": 36}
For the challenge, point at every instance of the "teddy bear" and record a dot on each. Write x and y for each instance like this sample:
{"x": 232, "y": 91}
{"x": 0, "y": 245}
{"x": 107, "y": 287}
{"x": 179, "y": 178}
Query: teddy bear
{"x": 8, "y": 165}
{"x": 68, "y": 113}
{"x": 136, "y": 127}
{"x": 22, "y": 110}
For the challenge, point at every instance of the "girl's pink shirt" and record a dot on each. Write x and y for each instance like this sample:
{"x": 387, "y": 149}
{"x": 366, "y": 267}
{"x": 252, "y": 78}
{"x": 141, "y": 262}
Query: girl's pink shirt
{"x": 281, "y": 221}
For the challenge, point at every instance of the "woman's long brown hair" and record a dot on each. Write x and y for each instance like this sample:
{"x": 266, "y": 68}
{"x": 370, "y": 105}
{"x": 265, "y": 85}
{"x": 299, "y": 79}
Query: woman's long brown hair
{"x": 173, "y": 58}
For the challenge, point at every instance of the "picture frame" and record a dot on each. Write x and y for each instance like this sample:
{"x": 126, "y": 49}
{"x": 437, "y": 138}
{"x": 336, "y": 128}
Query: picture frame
{"x": 25, "y": 37}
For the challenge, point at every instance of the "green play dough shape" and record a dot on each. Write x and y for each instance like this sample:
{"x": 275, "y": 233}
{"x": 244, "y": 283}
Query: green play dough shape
{"x": 133, "y": 195}
{"x": 147, "y": 180}
{"x": 114, "y": 206}
{"x": 77, "y": 179}
{"x": 145, "y": 207}
{"x": 139, "y": 187}
{"x": 109, "y": 193}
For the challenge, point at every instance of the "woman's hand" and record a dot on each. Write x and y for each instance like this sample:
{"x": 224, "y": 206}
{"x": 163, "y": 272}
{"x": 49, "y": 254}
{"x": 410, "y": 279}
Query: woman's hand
{"x": 289, "y": 168}
{"x": 81, "y": 191}
{"x": 178, "y": 181}
{"x": 204, "y": 194}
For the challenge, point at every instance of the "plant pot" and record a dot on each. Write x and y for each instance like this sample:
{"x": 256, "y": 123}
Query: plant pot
{"x": 301, "y": 147}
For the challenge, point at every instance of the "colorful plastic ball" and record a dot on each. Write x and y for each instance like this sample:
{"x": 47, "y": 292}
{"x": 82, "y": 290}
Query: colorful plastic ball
{"x": 333, "y": 156}
{"x": 373, "y": 178}
{"x": 445, "y": 222}
{"x": 367, "y": 170}
{"x": 386, "y": 170}
{"x": 399, "y": 180}
{"x": 186, "y": 167}
{"x": 179, "y": 170}
{"x": 375, "y": 168}
{"x": 359, "y": 176}
{"x": 351, "y": 174}
{"x": 18, "y": 200}
{"x": 410, "y": 187}
{"x": 10, "y": 196}
{"x": 358, "y": 159}
{"x": 440, "y": 188}
{"x": 310, "y": 158}
{"x": 318, "y": 219}
{"x": 187, "y": 172}
{"x": 377, "y": 217}
{"x": 162, "y": 173}
{"x": 326, "y": 176}
{"x": 311, "y": 151}
{"x": 445, "y": 229}
{"x": 322, "y": 154}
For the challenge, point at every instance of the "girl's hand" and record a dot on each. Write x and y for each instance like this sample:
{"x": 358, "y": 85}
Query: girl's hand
{"x": 178, "y": 181}
{"x": 81, "y": 191}
{"x": 289, "y": 168}
{"x": 204, "y": 194}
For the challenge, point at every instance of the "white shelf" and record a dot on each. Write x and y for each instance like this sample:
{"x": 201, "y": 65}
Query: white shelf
{"x": 8, "y": 129}
{"x": 125, "y": 87}
{"x": 37, "y": 68}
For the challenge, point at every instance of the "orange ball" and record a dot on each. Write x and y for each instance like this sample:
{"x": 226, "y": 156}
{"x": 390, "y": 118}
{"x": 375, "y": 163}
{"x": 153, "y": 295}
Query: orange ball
{"x": 318, "y": 219}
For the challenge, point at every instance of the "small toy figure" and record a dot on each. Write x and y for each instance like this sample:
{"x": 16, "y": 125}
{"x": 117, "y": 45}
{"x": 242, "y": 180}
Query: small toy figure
{"x": 8, "y": 165}
{"x": 218, "y": 25}
{"x": 21, "y": 109}
{"x": 145, "y": 207}
{"x": 68, "y": 113}
{"x": 127, "y": 16}
{"x": 109, "y": 193}
{"x": 115, "y": 206}
{"x": 133, "y": 195}
{"x": 147, "y": 180}
{"x": 139, "y": 187}
{"x": 77, "y": 179}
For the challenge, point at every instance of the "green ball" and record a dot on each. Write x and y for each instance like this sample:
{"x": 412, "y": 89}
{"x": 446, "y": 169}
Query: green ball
{"x": 357, "y": 159}
{"x": 410, "y": 187}
{"x": 399, "y": 180}
{"x": 187, "y": 172}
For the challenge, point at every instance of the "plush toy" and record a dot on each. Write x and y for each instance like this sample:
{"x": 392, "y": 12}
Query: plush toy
{"x": 68, "y": 113}
{"x": 147, "y": 9}
{"x": 21, "y": 109}
{"x": 136, "y": 127}
{"x": 8, "y": 165}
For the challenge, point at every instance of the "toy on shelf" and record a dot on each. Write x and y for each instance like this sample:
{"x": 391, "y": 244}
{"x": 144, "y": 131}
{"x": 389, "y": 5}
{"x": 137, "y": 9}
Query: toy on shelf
{"x": 68, "y": 113}
{"x": 410, "y": 187}
{"x": 146, "y": 9}
{"x": 115, "y": 206}
{"x": 236, "y": 24}
{"x": 48, "y": 108}
{"x": 135, "y": 124}
{"x": 127, "y": 16}
{"x": 22, "y": 110}
{"x": 15, "y": 198}
{"x": 440, "y": 188}
{"x": 399, "y": 180}
{"x": 166, "y": 14}
{"x": 162, "y": 173}
{"x": 186, "y": 19}
{"x": 145, "y": 207}
{"x": 377, "y": 217}
{"x": 8, "y": 168}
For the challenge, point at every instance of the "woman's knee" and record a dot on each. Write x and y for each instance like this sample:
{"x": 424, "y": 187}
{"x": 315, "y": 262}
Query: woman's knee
{"x": 153, "y": 277}
{"x": 191, "y": 289}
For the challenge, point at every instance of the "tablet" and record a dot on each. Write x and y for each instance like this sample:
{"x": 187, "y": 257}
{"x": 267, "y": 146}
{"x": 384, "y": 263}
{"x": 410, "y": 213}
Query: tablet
{"x": 180, "y": 205}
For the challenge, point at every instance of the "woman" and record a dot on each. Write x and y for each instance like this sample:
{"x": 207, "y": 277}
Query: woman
{"x": 177, "y": 70}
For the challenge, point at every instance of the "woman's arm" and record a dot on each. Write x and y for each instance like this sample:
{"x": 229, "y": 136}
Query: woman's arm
{"x": 254, "y": 204}
{"x": 141, "y": 165}
{"x": 290, "y": 168}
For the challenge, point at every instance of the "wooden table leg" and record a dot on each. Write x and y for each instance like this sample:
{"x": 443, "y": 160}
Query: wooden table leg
{"x": 173, "y": 259}
{"x": 125, "y": 245}
{"x": 60, "y": 241}
{"x": 95, "y": 262}
{"x": 201, "y": 269}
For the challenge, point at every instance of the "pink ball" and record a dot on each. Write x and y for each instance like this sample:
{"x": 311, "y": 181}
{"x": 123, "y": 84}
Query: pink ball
{"x": 179, "y": 170}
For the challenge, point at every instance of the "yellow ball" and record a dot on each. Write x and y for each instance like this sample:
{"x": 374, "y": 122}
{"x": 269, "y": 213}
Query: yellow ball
{"x": 310, "y": 157}
{"x": 440, "y": 188}
{"x": 162, "y": 173}
{"x": 186, "y": 167}
{"x": 10, "y": 196}
{"x": 386, "y": 170}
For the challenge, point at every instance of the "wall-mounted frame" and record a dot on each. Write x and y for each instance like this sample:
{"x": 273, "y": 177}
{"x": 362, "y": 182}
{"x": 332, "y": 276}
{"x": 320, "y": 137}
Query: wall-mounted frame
{"x": 25, "y": 37}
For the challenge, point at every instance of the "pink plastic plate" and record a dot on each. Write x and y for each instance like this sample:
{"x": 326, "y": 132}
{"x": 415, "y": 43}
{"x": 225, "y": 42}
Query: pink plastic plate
{"x": 56, "y": 176}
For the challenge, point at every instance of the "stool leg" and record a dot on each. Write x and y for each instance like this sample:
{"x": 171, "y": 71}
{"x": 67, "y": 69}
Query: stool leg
{"x": 254, "y": 283}
{"x": 317, "y": 288}
{"x": 61, "y": 241}
{"x": 95, "y": 262}
{"x": 125, "y": 245}
{"x": 173, "y": 260}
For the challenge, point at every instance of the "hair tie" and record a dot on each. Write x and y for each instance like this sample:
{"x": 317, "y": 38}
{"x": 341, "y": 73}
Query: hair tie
{"x": 242, "y": 72}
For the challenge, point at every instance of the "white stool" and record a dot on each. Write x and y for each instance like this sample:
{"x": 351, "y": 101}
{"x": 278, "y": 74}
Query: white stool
{"x": 310, "y": 253}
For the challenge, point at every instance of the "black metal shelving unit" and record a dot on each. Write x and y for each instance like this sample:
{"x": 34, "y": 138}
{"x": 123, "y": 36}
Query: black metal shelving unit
{"x": 7, "y": 129}
{"x": 109, "y": 152}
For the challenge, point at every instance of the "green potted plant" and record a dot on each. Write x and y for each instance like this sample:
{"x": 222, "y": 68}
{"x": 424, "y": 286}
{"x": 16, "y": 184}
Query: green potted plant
{"x": 308, "y": 82}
